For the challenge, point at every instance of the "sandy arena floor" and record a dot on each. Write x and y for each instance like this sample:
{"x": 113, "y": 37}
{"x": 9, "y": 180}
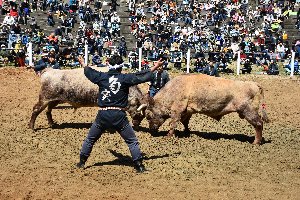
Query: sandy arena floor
{"x": 216, "y": 162}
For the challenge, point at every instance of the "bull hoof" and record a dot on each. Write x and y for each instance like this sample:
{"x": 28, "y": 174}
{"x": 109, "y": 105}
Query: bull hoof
{"x": 169, "y": 135}
{"x": 30, "y": 126}
{"x": 257, "y": 142}
{"x": 52, "y": 125}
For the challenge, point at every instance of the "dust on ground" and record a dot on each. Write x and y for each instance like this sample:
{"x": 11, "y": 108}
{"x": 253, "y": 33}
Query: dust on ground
{"x": 217, "y": 161}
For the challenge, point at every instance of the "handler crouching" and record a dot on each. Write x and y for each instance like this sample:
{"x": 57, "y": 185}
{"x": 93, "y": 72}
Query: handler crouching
{"x": 112, "y": 100}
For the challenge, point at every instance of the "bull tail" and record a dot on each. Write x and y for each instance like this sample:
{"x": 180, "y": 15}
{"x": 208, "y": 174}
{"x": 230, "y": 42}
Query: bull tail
{"x": 262, "y": 105}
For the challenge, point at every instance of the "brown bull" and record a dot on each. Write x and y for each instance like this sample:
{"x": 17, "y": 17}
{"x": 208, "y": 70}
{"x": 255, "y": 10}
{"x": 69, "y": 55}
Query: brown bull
{"x": 72, "y": 87}
{"x": 215, "y": 97}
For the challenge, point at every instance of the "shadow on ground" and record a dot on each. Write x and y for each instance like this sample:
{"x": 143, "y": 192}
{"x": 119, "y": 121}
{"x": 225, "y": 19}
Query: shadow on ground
{"x": 207, "y": 135}
{"x": 124, "y": 160}
{"x": 72, "y": 125}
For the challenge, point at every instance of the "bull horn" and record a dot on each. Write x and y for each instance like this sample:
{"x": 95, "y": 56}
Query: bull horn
{"x": 141, "y": 107}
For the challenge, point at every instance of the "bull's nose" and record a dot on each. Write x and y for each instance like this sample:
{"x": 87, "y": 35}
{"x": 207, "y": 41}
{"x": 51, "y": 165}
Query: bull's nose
{"x": 152, "y": 127}
{"x": 136, "y": 122}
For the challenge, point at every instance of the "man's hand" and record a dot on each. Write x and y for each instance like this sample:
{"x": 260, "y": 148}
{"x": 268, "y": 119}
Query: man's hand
{"x": 81, "y": 61}
{"x": 157, "y": 64}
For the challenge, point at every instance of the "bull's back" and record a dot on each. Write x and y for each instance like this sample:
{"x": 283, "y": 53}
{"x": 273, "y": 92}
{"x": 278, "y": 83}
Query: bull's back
{"x": 69, "y": 86}
{"x": 72, "y": 86}
{"x": 206, "y": 92}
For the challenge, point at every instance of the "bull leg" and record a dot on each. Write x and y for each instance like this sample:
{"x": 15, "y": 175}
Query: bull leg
{"x": 176, "y": 115}
{"x": 51, "y": 105}
{"x": 251, "y": 115}
{"x": 37, "y": 109}
{"x": 185, "y": 121}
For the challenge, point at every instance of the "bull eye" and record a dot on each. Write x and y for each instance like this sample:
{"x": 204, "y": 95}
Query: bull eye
{"x": 152, "y": 116}
{"x": 157, "y": 120}
{"x": 149, "y": 114}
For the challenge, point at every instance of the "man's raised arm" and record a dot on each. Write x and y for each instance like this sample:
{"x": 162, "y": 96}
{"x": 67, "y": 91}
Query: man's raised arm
{"x": 90, "y": 73}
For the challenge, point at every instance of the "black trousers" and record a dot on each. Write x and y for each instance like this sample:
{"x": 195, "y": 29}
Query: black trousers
{"x": 117, "y": 120}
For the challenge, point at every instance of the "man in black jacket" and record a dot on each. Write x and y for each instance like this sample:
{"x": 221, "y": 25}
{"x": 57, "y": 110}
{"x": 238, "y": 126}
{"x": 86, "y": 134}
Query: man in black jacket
{"x": 112, "y": 100}
{"x": 47, "y": 60}
{"x": 159, "y": 79}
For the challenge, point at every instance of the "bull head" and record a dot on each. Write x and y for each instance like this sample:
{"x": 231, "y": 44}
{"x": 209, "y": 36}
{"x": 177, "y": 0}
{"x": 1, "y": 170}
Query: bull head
{"x": 152, "y": 113}
{"x": 136, "y": 115}
{"x": 147, "y": 102}
{"x": 142, "y": 108}
{"x": 135, "y": 100}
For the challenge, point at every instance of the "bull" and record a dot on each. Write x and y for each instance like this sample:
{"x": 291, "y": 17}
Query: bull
{"x": 72, "y": 87}
{"x": 215, "y": 97}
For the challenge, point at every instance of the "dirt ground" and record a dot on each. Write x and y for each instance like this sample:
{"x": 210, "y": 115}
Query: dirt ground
{"x": 217, "y": 161}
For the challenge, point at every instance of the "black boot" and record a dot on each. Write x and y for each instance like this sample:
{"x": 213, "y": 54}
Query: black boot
{"x": 82, "y": 161}
{"x": 139, "y": 167}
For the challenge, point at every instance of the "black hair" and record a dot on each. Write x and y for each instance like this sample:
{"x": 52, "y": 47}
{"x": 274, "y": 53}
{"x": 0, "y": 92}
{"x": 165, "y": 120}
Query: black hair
{"x": 115, "y": 60}
{"x": 50, "y": 55}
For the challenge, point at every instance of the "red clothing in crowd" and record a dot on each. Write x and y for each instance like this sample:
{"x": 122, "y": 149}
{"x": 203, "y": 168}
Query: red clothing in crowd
{"x": 243, "y": 56}
{"x": 52, "y": 38}
{"x": 145, "y": 62}
{"x": 134, "y": 26}
{"x": 261, "y": 41}
{"x": 88, "y": 33}
{"x": 13, "y": 12}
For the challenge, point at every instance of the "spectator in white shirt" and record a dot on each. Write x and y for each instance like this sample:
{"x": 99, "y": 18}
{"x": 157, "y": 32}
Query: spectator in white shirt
{"x": 9, "y": 19}
{"x": 280, "y": 49}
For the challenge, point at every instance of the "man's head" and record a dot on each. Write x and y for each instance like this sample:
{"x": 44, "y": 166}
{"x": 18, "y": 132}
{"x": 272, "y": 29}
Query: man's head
{"x": 160, "y": 69}
{"x": 44, "y": 56}
{"x": 52, "y": 50}
{"x": 115, "y": 62}
{"x": 51, "y": 57}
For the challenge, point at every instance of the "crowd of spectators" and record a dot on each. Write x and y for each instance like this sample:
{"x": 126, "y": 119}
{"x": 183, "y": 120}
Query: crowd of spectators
{"x": 214, "y": 30}
{"x": 72, "y": 25}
